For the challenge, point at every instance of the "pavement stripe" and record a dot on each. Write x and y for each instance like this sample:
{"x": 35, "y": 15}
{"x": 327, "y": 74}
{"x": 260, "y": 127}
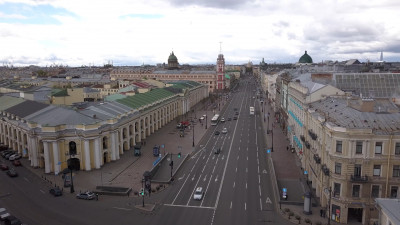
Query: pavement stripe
{"x": 190, "y": 206}
{"x": 122, "y": 208}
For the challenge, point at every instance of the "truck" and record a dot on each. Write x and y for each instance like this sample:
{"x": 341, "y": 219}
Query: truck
{"x": 156, "y": 150}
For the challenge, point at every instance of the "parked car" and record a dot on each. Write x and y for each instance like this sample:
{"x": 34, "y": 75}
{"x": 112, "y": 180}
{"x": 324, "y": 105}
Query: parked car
{"x": 7, "y": 156}
{"x": 87, "y": 195}
{"x": 3, "y": 167}
{"x": 224, "y": 131}
{"x": 55, "y": 191}
{"x": 222, "y": 119}
{"x": 4, "y": 216}
{"x": 17, "y": 163}
{"x": 14, "y": 157}
{"x": 216, "y": 133}
{"x": 12, "y": 220}
{"x": 198, "y": 194}
{"x": 12, "y": 173}
{"x": 4, "y": 153}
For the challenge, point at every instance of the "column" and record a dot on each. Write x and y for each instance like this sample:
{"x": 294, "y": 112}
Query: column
{"x": 56, "y": 157}
{"x": 121, "y": 140}
{"x": 97, "y": 153}
{"x": 113, "y": 146}
{"x": 19, "y": 150}
{"x": 46, "y": 157}
{"x": 87, "y": 155}
{"x": 117, "y": 146}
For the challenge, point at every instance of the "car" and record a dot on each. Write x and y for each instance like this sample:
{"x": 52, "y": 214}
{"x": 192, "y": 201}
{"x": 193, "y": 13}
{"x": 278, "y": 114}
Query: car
{"x": 87, "y": 195}
{"x": 4, "y": 153}
{"x": 4, "y": 216}
{"x": 198, "y": 194}
{"x": 224, "y": 131}
{"x": 229, "y": 119}
{"x": 56, "y": 191}
{"x": 12, "y": 220}
{"x": 216, "y": 133}
{"x": 12, "y": 173}
{"x": 235, "y": 118}
{"x": 14, "y": 157}
{"x": 202, "y": 118}
{"x": 217, "y": 150}
{"x": 7, "y": 156}
{"x": 222, "y": 119}
{"x": 3, "y": 167}
{"x": 17, "y": 163}
{"x": 236, "y": 113}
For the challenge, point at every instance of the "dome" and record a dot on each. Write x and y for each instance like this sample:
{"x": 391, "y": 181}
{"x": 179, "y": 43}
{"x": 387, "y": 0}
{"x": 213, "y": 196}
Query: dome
{"x": 172, "y": 58}
{"x": 305, "y": 58}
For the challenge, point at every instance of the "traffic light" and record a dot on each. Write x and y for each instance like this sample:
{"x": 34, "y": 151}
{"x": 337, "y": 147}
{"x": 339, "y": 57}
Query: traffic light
{"x": 179, "y": 155}
{"x": 141, "y": 193}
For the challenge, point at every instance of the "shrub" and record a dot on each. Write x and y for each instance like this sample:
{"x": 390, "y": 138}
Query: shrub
{"x": 307, "y": 220}
{"x": 297, "y": 217}
{"x": 287, "y": 210}
{"x": 291, "y": 214}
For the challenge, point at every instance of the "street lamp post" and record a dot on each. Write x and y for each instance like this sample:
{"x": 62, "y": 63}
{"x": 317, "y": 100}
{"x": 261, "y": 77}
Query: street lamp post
{"x": 272, "y": 130}
{"x": 206, "y": 119}
{"x": 72, "y": 180}
{"x": 268, "y": 125}
{"x": 193, "y": 135}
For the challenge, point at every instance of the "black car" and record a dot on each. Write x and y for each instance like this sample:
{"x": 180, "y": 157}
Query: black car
{"x": 235, "y": 118}
{"x": 56, "y": 191}
{"x": 217, "y": 150}
{"x": 12, "y": 173}
{"x": 229, "y": 119}
{"x": 216, "y": 133}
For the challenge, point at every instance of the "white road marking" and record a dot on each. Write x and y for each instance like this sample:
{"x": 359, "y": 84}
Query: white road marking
{"x": 193, "y": 177}
{"x": 247, "y": 158}
{"x": 216, "y": 178}
{"x": 26, "y": 179}
{"x": 205, "y": 178}
{"x": 234, "y": 184}
{"x": 122, "y": 208}
{"x": 268, "y": 201}
{"x": 205, "y": 192}
{"x": 191, "y": 206}
{"x": 265, "y": 171}
{"x": 259, "y": 189}
{"x": 246, "y": 185}
{"x": 231, "y": 205}
{"x": 42, "y": 191}
{"x": 245, "y": 207}
{"x": 236, "y": 169}
{"x": 180, "y": 178}
{"x": 246, "y": 170}
{"x": 260, "y": 204}
{"x": 259, "y": 180}
{"x": 238, "y": 158}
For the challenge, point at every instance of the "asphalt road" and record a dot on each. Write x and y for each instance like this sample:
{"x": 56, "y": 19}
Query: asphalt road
{"x": 236, "y": 182}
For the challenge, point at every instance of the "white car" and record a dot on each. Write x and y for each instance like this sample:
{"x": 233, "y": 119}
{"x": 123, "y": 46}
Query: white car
{"x": 14, "y": 157}
{"x": 224, "y": 131}
{"x": 222, "y": 119}
{"x": 202, "y": 118}
{"x": 198, "y": 194}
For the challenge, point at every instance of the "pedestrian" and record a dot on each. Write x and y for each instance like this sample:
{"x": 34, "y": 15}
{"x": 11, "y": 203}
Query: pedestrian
{"x": 97, "y": 197}
{"x": 321, "y": 212}
{"x": 287, "y": 148}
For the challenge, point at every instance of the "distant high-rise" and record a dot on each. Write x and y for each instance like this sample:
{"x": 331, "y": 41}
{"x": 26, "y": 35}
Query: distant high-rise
{"x": 381, "y": 58}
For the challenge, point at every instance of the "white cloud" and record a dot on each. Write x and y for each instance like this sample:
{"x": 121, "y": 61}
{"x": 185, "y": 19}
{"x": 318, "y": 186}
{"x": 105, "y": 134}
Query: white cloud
{"x": 136, "y": 32}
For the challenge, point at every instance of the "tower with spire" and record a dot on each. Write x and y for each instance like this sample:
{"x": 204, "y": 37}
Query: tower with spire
{"x": 220, "y": 70}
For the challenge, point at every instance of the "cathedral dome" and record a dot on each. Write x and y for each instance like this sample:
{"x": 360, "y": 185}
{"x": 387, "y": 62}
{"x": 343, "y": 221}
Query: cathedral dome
{"x": 305, "y": 58}
{"x": 172, "y": 61}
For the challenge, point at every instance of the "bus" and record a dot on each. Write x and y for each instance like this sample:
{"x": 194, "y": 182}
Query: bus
{"x": 251, "y": 110}
{"x": 215, "y": 120}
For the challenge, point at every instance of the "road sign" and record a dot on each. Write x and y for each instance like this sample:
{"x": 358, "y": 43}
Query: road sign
{"x": 268, "y": 150}
{"x": 305, "y": 172}
{"x": 162, "y": 146}
{"x": 284, "y": 190}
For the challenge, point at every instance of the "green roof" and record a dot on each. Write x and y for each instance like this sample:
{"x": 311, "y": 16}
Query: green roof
{"x": 140, "y": 100}
{"x": 8, "y": 102}
{"x": 305, "y": 58}
{"x": 227, "y": 76}
{"x": 59, "y": 92}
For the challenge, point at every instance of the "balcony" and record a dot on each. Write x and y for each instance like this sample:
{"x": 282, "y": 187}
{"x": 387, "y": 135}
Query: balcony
{"x": 356, "y": 178}
{"x": 302, "y": 138}
{"x": 307, "y": 144}
{"x": 325, "y": 169}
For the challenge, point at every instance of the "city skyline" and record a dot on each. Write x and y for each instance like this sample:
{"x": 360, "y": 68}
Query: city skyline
{"x": 133, "y": 33}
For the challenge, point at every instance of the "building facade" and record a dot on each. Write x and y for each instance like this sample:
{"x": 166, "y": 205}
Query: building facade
{"x": 52, "y": 137}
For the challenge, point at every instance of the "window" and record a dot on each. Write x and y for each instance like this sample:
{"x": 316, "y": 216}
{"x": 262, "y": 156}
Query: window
{"x": 339, "y": 146}
{"x": 357, "y": 170}
{"x": 336, "y": 189}
{"x": 338, "y": 168}
{"x": 397, "y": 149}
{"x": 393, "y": 191}
{"x": 375, "y": 191}
{"x": 377, "y": 170}
{"x": 396, "y": 171}
{"x": 378, "y": 148}
{"x": 359, "y": 146}
{"x": 356, "y": 191}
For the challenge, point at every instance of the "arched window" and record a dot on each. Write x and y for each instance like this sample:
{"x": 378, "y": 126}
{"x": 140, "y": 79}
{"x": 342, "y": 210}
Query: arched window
{"x": 72, "y": 148}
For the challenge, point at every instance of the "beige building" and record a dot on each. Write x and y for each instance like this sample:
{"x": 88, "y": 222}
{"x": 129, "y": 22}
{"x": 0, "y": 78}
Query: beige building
{"x": 174, "y": 72}
{"x": 51, "y": 137}
{"x": 351, "y": 154}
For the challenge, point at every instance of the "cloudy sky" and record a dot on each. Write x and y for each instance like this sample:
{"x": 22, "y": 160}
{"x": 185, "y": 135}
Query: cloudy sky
{"x": 133, "y": 32}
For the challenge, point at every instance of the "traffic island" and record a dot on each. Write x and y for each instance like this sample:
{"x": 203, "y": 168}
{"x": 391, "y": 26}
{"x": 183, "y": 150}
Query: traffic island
{"x": 146, "y": 207}
{"x": 110, "y": 190}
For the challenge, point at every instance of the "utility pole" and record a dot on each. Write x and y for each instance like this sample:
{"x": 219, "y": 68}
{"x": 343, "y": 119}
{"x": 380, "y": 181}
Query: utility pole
{"x": 193, "y": 135}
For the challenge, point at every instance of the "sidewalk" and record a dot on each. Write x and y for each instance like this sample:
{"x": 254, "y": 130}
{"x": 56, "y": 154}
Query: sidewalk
{"x": 128, "y": 170}
{"x": 289, "y": 175}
